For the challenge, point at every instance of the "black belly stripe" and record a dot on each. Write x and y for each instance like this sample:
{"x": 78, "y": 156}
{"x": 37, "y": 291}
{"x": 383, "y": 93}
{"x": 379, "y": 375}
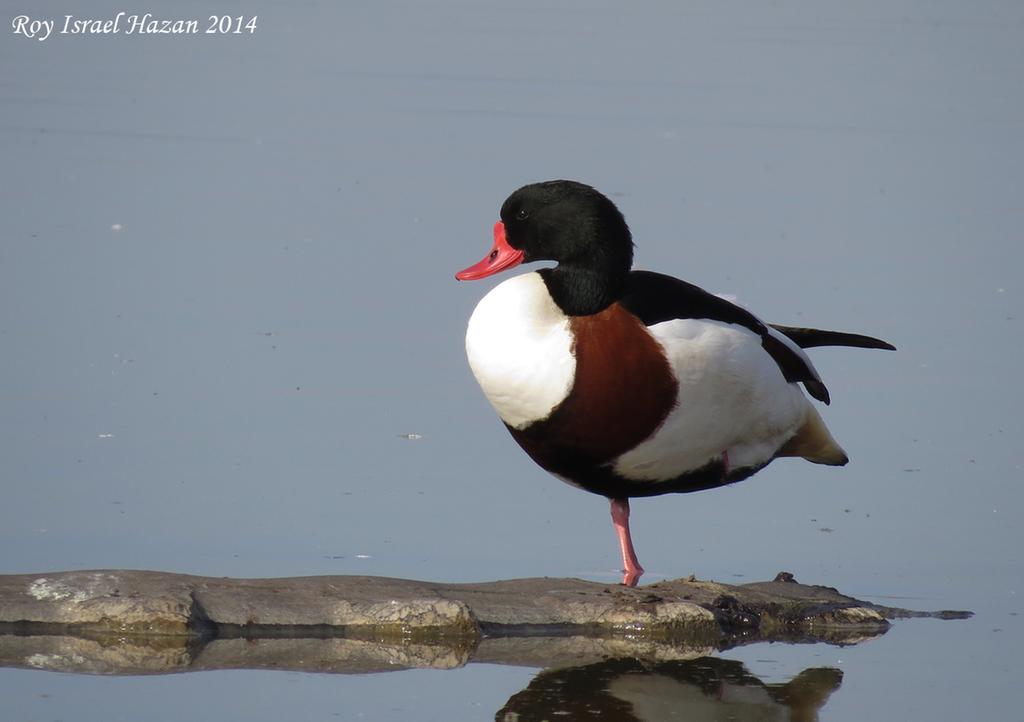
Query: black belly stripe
{"x": 602, "y": 478}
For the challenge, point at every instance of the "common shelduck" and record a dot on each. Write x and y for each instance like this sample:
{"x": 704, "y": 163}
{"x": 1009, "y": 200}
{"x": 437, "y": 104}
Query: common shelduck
{"x": 633, "y": 383}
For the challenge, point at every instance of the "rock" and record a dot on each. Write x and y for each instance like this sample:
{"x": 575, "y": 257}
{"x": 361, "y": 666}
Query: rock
{"x": 136, "y": 622}
{"x": 135, "y": 602}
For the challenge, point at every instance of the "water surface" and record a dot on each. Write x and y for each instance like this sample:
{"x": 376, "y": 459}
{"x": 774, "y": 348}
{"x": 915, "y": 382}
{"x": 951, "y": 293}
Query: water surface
{"x": 226, "y": 299}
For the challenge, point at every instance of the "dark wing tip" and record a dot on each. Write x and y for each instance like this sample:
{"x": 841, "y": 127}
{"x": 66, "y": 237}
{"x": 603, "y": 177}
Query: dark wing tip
{"x": 812, "y": 337}
{"x": 858, "y": 340}
{"x": 818, "y": 391}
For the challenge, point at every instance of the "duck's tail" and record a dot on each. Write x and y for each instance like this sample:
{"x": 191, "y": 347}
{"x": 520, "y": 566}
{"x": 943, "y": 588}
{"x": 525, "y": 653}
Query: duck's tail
{"x": 814, "y": 442}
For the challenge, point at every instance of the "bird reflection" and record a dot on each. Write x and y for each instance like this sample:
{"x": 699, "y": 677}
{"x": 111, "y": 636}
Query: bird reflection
{"x": 705, "y": 689}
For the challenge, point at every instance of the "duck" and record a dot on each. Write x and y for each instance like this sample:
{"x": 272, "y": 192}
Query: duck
{"x": 632, "y": 383}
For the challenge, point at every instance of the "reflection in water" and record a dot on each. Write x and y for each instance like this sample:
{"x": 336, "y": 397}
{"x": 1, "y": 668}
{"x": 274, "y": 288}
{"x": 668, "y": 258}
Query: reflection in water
{"x": 610, "y": 680}
{"x": 702, "y": 689}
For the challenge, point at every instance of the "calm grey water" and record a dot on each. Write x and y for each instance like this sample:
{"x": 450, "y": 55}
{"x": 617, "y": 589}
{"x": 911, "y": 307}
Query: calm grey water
{"x": 226, "y": 295}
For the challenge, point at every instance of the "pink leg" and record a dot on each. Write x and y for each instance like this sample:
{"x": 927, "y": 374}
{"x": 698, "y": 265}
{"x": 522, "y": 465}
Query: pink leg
{"x": 620, "y": 518}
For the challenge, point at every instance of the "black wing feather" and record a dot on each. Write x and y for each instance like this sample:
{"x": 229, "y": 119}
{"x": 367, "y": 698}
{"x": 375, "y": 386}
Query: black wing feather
{"x": 811, "y": 337}
{"x": 655, "y": 297}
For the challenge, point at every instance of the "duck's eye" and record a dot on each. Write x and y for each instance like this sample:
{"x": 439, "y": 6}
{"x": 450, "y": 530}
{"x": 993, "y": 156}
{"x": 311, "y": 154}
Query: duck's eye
{"x": 494, "y": 254}
{"x": 522, "y": 215}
